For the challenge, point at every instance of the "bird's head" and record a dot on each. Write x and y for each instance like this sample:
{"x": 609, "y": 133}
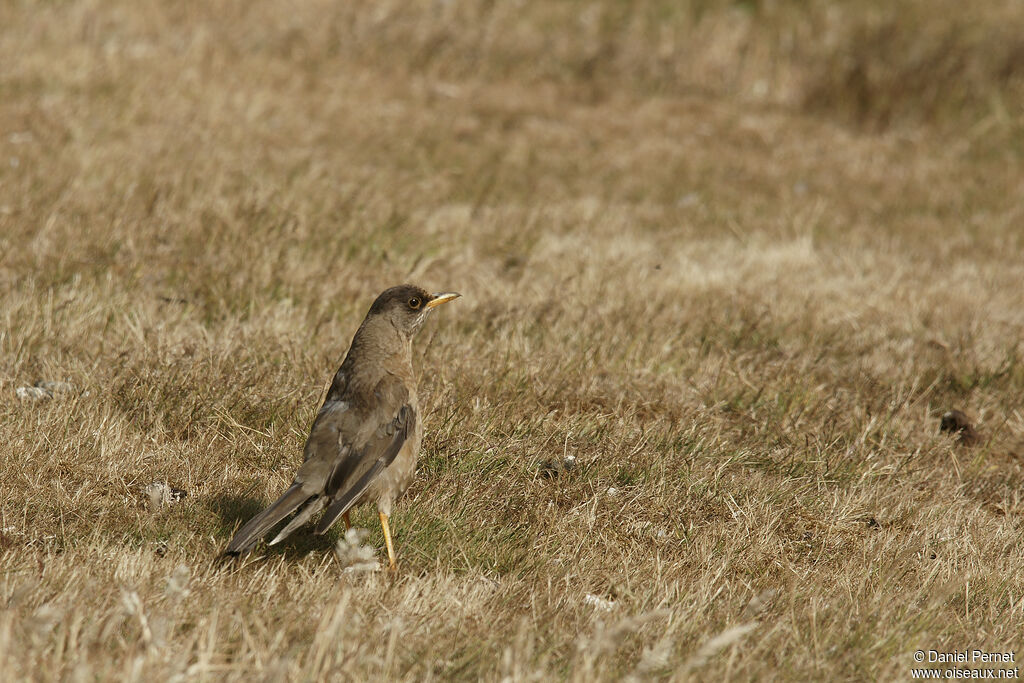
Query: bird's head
{"x": 407, "y": 306}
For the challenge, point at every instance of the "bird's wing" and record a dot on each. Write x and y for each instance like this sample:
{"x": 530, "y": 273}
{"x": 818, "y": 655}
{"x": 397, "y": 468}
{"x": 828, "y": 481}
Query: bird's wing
{"x": 330, "y": 438}
{"x": 346, "y": 433}
{"x": 339, "y": 385}
{"x": 327, "y": 450}
{"x": 379, "y": 452}
{"x": 349, "y": 445}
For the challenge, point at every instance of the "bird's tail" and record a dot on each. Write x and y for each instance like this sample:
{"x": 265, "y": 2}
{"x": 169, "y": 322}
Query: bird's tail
{"x": 315, "y": 506}
{"x": 253, "y": 530}
{"x": 347, "y": 500}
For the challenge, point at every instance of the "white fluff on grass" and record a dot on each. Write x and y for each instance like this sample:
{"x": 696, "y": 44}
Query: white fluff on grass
{"x": 352, "y": 555}
{"x": 44, "y": 390}
{"x": 599, "y": 602}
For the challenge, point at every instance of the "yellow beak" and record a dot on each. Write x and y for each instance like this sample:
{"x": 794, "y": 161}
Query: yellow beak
{"x": 442, "y": 298}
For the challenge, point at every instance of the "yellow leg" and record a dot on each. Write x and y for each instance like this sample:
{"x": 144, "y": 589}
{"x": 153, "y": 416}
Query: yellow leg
{"x": 387, "y": 539}
{"x": 348, "y": 524}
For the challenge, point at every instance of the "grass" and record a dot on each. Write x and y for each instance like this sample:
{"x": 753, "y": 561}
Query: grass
{"x": 736, "y": 258}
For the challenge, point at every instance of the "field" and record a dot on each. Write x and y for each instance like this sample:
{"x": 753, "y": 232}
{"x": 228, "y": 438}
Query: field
{"x": 735, "y": 258}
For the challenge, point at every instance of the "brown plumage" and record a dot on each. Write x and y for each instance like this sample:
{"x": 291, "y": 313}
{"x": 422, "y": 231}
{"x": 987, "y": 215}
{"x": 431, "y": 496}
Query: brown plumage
{"x": 365, "y": 438}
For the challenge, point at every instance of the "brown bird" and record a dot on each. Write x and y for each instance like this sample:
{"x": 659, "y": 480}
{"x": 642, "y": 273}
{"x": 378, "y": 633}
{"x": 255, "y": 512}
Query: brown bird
{"x": 363, "y": 445}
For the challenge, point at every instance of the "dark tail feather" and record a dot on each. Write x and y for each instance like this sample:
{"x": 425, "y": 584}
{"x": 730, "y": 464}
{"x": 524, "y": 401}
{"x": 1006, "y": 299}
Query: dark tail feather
{"x": 315, "y": 506}
{"x": 348, "y": 499}
{"x": 248, "y": 535}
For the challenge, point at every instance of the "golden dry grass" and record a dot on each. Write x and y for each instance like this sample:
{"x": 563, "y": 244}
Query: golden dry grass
{"x": 737, "y": 258}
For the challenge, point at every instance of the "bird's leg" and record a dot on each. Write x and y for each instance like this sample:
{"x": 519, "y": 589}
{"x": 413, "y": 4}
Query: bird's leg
{"x": 348, "y": 524}
{"x": 387, "y": 539}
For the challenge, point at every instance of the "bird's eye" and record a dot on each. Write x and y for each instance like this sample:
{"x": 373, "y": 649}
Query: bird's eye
{"x": 414, "y": 302}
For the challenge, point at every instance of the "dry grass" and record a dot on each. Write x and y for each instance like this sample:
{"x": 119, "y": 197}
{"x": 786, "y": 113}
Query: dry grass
{"x": 735, "y": 258}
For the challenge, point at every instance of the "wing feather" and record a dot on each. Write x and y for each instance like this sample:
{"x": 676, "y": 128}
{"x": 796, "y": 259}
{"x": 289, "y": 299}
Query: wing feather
{"x": 400, "y": 428}
{"x": 349, "y": 445}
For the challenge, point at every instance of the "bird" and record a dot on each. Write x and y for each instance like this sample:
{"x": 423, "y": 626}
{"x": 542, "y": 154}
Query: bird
{"x": 364, "y": 441}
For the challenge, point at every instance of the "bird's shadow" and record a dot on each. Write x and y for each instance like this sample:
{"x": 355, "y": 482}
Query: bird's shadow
{"x": 234, "y": 511}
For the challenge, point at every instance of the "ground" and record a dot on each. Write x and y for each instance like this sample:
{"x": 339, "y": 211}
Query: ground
{"x": 735, "y": 258}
